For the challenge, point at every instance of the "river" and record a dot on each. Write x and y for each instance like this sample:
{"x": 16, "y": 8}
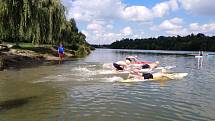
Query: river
{"x": 74, "y": 92}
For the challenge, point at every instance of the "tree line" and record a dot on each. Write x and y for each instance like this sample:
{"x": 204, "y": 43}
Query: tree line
{"x": 189, "y": 43}
{"x": 38, "y": 22}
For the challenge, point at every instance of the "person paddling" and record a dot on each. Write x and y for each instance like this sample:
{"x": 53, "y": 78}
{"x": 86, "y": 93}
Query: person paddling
{"x": 151, "y": 65}
{"x": 121, "y": 65}
{"x": 200, "y": 53}
{"x": 60, "y": 53}
{"x": 149, "y": 75}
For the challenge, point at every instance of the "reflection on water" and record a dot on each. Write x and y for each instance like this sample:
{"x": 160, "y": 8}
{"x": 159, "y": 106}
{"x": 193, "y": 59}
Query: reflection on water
{"x": 200, "y": 62}
{"x": 76, "y": 91}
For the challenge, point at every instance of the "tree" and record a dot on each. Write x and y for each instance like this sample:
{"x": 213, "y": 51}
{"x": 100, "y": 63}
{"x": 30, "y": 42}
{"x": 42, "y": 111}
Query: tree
{"x": 38, "y": 22}
{"x": 190, "y": 42}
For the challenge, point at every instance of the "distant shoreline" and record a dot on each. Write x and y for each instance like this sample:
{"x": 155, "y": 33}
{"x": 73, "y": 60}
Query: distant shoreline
{"x": 96, "y": 47}
{"x": 192, "y": 42}
{"x": 163, "y": 52}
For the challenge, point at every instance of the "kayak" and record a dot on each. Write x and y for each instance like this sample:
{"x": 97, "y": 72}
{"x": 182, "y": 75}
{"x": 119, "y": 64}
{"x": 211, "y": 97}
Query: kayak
{"x": 142, "y": 62}
{"x": 134, "y": 60}
{"x": 173, "y": 76}
{"x": 176, "y": 75}
{"x": 133, "y": 80}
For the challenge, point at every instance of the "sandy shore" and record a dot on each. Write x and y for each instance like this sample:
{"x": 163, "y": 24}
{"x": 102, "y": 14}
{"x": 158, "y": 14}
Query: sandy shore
{"x": 22, "y": 58}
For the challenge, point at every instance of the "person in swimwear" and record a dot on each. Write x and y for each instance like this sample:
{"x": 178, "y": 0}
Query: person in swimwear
{"x": 60, "y": 53}
{"x": 151, "y": 65}
{"x": 200, "y": 53}
{"x": 121, "y": 65}
{"x": 146, "y": 75}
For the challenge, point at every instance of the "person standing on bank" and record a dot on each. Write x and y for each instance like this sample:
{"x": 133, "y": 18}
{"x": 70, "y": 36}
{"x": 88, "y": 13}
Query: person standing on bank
{"x": 60, "y": 53}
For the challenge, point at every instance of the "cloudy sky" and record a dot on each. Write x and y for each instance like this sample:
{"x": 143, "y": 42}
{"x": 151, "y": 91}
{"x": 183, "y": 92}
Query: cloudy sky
{"x": 105, "y": 21}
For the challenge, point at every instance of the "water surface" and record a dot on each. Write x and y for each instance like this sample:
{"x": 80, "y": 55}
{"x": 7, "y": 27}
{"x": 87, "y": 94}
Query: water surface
{"x": 74, "y": 91}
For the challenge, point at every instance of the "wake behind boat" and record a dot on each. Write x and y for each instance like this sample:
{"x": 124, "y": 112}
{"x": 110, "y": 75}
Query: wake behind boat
{"x": 113, "y": 73}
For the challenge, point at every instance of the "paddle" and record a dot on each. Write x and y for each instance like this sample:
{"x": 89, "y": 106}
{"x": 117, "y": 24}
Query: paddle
{"x": 166, "y": 67}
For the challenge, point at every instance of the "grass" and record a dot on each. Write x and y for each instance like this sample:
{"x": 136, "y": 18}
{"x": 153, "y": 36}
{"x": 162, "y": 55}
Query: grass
{"x": 48, "y": 49}
{"x": 40, "y": 49}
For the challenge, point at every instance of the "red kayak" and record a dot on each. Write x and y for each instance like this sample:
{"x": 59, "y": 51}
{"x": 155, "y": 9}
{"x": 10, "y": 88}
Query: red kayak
{"x": 142, "y": 62}
{"x": 134, "y": 60}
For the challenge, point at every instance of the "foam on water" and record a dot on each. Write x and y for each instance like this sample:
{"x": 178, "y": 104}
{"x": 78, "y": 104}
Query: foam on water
{"x": 80, "y": 73}
{"x": 57, "y": 78}
{"x": 113, "y": 79}
{"x": 81, "y": 69}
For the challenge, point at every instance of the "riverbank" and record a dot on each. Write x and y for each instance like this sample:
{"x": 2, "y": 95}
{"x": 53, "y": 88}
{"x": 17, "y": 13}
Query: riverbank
{"x": 30, "y": 56}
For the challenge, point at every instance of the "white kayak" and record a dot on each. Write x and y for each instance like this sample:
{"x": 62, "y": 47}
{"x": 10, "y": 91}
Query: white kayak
{"x": 173, "y": 76}
{"x": 133, "y": 80}
{"x": 176, "y": 75}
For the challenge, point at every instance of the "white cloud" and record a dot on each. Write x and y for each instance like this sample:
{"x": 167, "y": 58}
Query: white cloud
{"x": 127, "y": 31}
{"x": 109, "y": 26}
{"x": 194, "y": 26}
{"x": 205, "y": 28}
{"x": 88, "y": 10}
{"x": 181, "y": 31}
{"x": 176, "y": 26}
{"x": 168, "y": 25}
{"x": 175, "y": 23}
{"x": 85, "y": 33}
{"x": 96, "y": 28}
{"x": 107, "y": 37}
{"x": 176, "y": 20}
{"x": 97, "y": 18}
{"x": 208, "y": 27}
{"x": 172, "y": 26}
{"x": 138, "y": 13}
{"x": 173, "y": 4}
{"x": 161, "y": 9}
{"x": 104, "y": 38}
{"x": 200, "y": 7}
{"x": 142, "y": 13}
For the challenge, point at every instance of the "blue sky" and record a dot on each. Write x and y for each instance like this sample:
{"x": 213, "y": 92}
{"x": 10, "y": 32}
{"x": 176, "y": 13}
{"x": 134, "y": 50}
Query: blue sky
{"x": 105, "y": 21}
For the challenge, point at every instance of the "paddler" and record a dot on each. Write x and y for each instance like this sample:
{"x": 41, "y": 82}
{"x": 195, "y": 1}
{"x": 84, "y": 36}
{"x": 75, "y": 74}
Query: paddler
{"x": 142, "y": 76}
{"x": 144, "y": 64}
{"x": 151, "y": 65}
{"x": 121, "y": 65}
{"x": 200, "y": 53}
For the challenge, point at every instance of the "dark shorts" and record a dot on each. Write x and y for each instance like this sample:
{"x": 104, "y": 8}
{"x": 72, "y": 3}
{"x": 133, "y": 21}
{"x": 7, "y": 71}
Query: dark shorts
{"x": 147, "y": 76}
{"x": 117, "y": 66}
{"x": 145, "y": 66}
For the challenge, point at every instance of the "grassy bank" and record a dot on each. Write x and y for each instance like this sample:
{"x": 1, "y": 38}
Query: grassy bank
{"x": 28, "y": 55}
